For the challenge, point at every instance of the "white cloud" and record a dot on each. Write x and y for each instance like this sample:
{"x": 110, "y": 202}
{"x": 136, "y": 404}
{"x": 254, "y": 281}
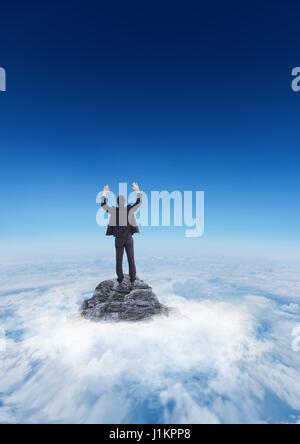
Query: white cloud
{"x": 221, "y": 360}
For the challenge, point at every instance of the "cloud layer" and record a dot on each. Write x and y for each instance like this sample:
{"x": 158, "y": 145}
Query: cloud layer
{"x": 224, "y": 356}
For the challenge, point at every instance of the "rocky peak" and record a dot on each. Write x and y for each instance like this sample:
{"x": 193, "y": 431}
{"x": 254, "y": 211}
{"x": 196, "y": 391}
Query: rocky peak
{"x": 110, "y": 303}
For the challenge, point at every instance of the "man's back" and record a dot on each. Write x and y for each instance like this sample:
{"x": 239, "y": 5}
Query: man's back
{"x": 120, "y": 230}
{"x": 122, "y": 221}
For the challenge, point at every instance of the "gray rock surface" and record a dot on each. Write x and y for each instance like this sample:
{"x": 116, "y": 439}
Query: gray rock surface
{"x": 109, "y": 304}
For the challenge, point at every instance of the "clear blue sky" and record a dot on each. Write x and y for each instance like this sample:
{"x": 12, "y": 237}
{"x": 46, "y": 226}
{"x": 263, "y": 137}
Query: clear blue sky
{"x": 174, "y": 95}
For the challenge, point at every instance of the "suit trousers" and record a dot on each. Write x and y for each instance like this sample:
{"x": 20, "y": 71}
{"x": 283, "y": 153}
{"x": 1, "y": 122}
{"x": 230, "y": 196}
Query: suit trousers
{"x": 126, "y": 243}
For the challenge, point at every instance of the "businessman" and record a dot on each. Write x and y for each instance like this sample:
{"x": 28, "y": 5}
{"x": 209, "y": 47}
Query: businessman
{"x": 122, "y": 225}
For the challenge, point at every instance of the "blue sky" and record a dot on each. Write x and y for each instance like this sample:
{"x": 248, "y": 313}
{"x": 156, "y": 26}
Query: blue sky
{"x": 175, "y": 96}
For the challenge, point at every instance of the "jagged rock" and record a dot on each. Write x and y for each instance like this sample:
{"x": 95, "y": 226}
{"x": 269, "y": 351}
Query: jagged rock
{"x": 108, "y": 304}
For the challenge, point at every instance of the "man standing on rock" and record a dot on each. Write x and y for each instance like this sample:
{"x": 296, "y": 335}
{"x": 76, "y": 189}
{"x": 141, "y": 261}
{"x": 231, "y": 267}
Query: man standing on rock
{"x": 122, "y": 225}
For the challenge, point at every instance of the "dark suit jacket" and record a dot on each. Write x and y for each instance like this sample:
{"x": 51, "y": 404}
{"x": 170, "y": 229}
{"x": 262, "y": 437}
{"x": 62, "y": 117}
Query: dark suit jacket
{"x": 122, "y": 221}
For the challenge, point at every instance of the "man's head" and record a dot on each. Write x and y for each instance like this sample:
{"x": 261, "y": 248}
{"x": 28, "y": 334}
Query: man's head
{"x": 121, "y": 201}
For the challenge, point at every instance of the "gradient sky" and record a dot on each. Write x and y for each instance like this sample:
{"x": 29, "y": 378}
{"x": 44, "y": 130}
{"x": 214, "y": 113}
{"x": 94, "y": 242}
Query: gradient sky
{"x": 174, "y": 95}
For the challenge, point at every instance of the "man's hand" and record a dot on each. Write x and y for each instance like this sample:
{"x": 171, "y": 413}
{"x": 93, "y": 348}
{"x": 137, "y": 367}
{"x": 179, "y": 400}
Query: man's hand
{"x": 135, "y": 187}
{"x": 105, "y": 190}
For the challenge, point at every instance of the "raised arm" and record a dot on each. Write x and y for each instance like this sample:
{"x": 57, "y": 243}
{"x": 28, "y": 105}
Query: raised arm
{"x": 104, "y": 199}
{"x": 138, "y": 201}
